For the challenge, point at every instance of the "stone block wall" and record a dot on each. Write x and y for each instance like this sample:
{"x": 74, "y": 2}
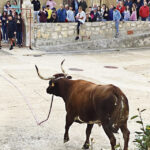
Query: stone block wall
{"x": 49, "y": 34}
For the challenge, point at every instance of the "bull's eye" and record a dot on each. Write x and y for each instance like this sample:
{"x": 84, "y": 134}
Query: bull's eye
{"x": 52, "y": 84}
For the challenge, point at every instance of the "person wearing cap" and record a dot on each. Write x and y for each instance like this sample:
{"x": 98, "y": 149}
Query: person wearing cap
{"x": 43, "y": 14}
{"x": 116, "y": 18}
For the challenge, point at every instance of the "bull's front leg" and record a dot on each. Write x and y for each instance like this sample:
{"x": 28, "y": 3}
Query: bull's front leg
{"x": 69, "y": 121}
{"x": 88, "y": 132}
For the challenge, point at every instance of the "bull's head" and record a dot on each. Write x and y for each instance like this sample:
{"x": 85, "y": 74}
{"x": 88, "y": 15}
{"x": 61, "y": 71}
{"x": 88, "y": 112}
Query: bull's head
{"x": 53, "y": 80}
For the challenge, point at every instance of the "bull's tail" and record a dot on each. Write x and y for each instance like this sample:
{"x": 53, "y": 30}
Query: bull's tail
{"x": 119, "y": 109}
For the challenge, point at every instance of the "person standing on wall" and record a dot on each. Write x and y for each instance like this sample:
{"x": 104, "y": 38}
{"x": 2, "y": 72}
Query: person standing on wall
{"x": 144, "y": 12}
{"x": 80, "y": 17}
{"x": 49, "y": 13}
{"x": 16, "y": 7}
{"x": 11, "y": 27}
{"x": 75, "y": 6}
{"x": 36, "y": 6}
{"x": 51, "y": 4}
{"x": 61, "y": 14}
{"x": 7, "y": 8}
{"x": 83, "y": 4}
{"x": 116, "y": 18}
{"x": 43, "y": 15}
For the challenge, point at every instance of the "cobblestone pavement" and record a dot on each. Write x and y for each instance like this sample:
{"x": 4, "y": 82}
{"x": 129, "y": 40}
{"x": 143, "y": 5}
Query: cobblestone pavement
{"x": 18, "y": 129}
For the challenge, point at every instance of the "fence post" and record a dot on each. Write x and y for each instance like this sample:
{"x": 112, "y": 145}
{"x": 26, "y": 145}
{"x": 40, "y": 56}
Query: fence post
{"x": 27, "y": 15}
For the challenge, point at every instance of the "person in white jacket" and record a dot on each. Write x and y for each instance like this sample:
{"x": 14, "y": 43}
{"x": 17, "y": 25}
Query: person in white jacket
{"x": 70, "y": 15}
{"x": 80, "y": 17}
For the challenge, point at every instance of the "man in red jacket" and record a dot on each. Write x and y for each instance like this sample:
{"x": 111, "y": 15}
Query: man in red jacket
{"x": 144, "y": 11}
{"x": 121, "y": 8}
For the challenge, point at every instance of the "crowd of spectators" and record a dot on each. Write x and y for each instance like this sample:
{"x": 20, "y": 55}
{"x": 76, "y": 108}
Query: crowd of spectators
{"x": 130, "y": 10}
{"x": 11, "y": 24}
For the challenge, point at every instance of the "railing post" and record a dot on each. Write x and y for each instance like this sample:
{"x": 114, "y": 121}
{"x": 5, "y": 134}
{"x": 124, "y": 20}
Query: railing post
{"x": 27, "y": 15}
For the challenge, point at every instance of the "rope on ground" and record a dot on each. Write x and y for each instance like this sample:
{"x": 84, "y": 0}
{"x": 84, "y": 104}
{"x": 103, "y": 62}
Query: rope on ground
{"x": 34, "y": 91}
{"x": 25, "y": 99}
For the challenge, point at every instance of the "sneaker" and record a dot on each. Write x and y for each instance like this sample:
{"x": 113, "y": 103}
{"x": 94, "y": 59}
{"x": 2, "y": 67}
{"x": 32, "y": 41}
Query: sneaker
{"x": 11, "y": 47}
{"x": 117, "y": 35}
{"x": 77, "y": 38}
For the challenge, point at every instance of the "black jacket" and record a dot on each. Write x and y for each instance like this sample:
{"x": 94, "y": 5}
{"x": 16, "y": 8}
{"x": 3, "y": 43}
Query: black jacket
{"x": 4, "y": 21}
{"x": 11, "y": 27}
{"x": 106, "y": 15}
{"x": 73, "y": 4}
{"x": 19, "y": 25}
{"x": 83, "y": 5}
{"x": 36, "y": 5}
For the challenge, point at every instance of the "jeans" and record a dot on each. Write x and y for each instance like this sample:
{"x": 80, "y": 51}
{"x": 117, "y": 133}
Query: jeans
{"x": 117, "y": 26}
{"x": 4, "y": 33}
{"x": 126, "y": 19}
{"x": 78, "y": 27}
{"x": 19, "y": 38}
{"x": 143, "y": 19}
{"x": 36, "y": 16}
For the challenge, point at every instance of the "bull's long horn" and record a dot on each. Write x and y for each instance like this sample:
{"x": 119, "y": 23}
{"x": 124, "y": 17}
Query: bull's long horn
{"x": 41, "y": 76}
{"x": 62, "y": 67}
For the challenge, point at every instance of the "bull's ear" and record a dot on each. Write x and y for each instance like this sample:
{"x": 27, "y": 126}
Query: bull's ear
{"x": 69, "y": 77}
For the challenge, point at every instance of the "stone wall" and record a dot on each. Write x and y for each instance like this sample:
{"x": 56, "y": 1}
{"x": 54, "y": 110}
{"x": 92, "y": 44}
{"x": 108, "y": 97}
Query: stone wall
{"x": 51, "y": 34}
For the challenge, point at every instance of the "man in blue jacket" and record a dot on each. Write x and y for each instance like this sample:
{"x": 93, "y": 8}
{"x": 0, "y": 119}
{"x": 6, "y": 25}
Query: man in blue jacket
{"x": 116, "y": 18}
{"x": 61, "y": 14}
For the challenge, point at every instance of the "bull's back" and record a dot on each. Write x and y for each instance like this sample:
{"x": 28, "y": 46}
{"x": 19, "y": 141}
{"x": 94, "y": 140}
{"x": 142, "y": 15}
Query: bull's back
{"x": 91, "y": 100}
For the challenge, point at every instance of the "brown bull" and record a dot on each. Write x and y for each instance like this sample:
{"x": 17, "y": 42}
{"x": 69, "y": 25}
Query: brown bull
{"x": 90, "y": 103}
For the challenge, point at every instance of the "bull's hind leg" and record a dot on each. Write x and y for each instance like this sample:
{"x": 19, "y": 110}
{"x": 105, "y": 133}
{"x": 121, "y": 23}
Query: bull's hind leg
{"x": 69, "y": 121}
{"x": 110, "y": 135}
{"x": 126, "y": 134}
{"x": 88, "y": 132}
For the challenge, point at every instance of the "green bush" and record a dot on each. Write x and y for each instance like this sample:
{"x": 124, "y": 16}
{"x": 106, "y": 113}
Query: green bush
{"x": 142, "y": 137}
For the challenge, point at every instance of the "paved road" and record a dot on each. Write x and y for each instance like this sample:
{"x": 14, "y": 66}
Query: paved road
{"x": 18, "y": 129}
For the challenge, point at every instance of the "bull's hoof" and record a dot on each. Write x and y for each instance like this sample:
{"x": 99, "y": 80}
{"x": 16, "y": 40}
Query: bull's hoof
{"x": 66, "y": 139}
{"x": 85, "y": 146}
